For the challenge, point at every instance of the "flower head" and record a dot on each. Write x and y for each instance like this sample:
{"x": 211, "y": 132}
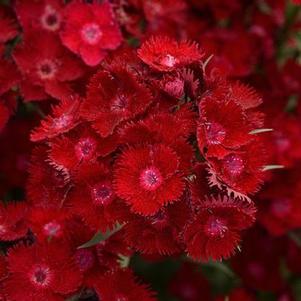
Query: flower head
{"x": 213, "y": 233}
{"x": 90, "y": 30}
{"x": 148, "y": 177}
{"x": 40, "y": 272}
{"x": 166, "y": 54}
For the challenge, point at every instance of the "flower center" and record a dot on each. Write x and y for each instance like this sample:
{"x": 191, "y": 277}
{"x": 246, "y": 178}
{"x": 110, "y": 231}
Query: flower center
{"x": 215, "y": 133}
{"x": 151, "y": 178}
{"x": 52, "y": 229}
{"x": 91, "y": 33}
{"x": 85, "y": 259}
{"x": 46, "y": 69}
{"x": 62, "y": 121}
{"x": 168, "y": 60}
{"x": 280, "y": 207}
{"x": 119, "y": 103}
{"x": 215, "y": 227}
{"x": 41, "y": 276}
{"x": 234, "y": 164}
{"x": 102, "y": 194}
{"x": 85, "y": 148}
{"x": 50, "y": 20}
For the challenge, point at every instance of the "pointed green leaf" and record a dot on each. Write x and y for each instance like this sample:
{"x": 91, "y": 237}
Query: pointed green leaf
{"x": 99, "y": 236}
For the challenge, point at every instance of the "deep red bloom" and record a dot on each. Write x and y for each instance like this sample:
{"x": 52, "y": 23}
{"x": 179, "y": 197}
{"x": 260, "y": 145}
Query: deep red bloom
{"x": 159, "y": 233}
{"x": 148, "y": 178}
{"x": 241, "y": 171}
{"x": 41, "y": 272}
{"x": 90, "y": 30}
{"x": 37, "y": 15}
{"x": 223, "y": 125}
{"x": 121, "y": 285}
{"x": 47, "y": 67}
{"x": 94, "y": 199}
{"x": 65, "y": 116}
{"x": 48, "y": 224}
{"x": 213, "y": 233}
{"x": 80, "y": 145}
{"x": 113, "y": 97}
{"x": 166, "y": 54}
{"x": 13, "y": 224}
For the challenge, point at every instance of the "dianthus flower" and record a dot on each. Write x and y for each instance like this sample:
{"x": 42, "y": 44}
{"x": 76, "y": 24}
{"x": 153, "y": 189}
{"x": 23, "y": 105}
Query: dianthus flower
{"x": 213, "y": 233}
{"x": 90, "y": 30}
{"x": 41, "y": 272}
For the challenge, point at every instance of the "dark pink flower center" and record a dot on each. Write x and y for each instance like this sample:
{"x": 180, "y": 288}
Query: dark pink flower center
{"x": 234, "y": 164}
{"x": 85, "y": 149}
{"x": 102, "y": 194}
{"x": 41, "y": 276}
{"x": 47, "y": 69}
{"x": 91, "y": 33}
{"x": 119, "y": 103}
{"x": 85, "y": 259}
{"x": 62, "y": 121}
{"x": 215, "y": 227}
{"x": 52, "y": 229}
{"x": 215, "y": 133}
{"x": 50, "y": 20}
{"x": 168, "y": 60}
{"x": 151, "y": 178}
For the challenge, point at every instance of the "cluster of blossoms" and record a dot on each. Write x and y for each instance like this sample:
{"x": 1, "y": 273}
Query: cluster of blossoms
{"x": 146, "y": 137}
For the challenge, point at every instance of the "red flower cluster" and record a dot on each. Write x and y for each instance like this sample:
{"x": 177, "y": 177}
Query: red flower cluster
{"x": 147, "y": 139}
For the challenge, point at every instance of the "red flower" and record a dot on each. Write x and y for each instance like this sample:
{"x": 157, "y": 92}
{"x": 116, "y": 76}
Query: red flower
{"x": 48, "y": 224}
{"x": 121, "y": 285}
{"x": 223, "y": 125}
{"x": 102, "y": 209}
{"x": 13, "y": 223}
{"x": 37, "y": 15}
{"x": 148, "y": 178}
{"x": 41, "y": 272}
{"x": 241, "y": 171}
{"x": 90, "y": 30}
{"x": 213, "y": 233}
{"x": 46, "y": 66}
{"x": 158, "y": 234}
{"x": 80, "y": 145}
{"x": 166, "y": 54}
{"x": 65, "y": 116}
{"x": 113, "y": 97}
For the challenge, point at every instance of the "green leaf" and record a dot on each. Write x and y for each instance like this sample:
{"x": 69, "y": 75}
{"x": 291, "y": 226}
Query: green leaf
{"x": 99, "y": 236}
